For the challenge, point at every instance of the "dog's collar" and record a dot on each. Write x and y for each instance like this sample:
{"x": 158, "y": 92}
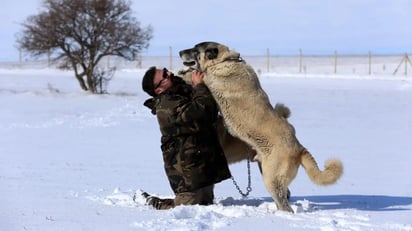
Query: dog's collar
{"x": 234, "y": 59}
{"x": 229, "y": 59}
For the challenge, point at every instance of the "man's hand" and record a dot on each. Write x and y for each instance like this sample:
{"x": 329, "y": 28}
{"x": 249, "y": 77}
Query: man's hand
{"x": 197, "y": 77}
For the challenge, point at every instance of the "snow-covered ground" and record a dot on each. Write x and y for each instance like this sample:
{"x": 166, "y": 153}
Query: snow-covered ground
{"x": 72, "y": 161}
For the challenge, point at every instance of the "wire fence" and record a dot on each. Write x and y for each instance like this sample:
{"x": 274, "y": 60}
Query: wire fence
{"x": 368, "y": 64}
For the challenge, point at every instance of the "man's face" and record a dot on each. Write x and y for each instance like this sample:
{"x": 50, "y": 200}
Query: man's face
{"x": 161, "y": 81}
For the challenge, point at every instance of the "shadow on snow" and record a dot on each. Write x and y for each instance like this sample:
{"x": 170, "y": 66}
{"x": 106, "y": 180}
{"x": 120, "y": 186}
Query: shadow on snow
{"x": 325, "y": 202}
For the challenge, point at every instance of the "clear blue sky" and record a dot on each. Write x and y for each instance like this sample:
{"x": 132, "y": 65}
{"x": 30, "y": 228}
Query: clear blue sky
{"x": 250, "y": 27}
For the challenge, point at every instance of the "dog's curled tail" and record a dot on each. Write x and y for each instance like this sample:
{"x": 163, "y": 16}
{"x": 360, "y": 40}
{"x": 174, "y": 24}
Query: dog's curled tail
{"x": 333, "y": 169}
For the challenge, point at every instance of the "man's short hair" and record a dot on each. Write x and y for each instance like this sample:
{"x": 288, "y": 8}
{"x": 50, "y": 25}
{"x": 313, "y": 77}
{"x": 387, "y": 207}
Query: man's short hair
{"x": 147, "y": 82}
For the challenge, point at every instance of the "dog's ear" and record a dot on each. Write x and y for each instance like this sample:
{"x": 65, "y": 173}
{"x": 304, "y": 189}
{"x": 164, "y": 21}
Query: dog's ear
{"x": 211, "y": 53}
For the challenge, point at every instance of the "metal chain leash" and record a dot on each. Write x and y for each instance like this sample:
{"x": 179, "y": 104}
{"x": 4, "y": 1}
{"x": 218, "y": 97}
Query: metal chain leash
{"x": 249, "y": 187}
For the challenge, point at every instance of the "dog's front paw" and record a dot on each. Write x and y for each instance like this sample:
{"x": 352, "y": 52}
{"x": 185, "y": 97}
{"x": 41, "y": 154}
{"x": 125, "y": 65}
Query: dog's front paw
{"x": 186, "y": 74}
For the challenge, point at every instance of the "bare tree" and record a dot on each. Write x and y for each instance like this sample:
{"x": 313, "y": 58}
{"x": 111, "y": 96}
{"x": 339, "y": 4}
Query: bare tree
{"x": 79, "y": 33}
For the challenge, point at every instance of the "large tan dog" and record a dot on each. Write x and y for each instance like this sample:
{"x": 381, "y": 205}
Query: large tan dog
{"x": 249, "y": 115}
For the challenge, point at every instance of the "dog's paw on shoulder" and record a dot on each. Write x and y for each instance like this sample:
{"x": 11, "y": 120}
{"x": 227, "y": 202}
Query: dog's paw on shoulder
{"x": 282, "y": 110}
{"x": 186, "y": 74}
{"x": 183, "y": 71}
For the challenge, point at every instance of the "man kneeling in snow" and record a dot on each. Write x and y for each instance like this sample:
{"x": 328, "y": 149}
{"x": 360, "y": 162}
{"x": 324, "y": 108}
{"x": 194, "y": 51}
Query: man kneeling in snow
{"x": 193, "y": 158}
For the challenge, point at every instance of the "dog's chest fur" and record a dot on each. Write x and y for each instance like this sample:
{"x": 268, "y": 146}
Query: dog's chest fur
{"x": 238, "y": 93}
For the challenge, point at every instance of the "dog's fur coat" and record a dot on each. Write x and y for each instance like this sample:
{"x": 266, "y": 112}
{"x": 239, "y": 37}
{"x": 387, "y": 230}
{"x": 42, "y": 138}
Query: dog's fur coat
{"x": 249, "y": 115}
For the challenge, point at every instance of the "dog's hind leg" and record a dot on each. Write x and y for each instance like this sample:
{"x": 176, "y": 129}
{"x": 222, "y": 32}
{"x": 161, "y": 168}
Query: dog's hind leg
{"x": 279, "y": 192}
{"x": 277, "y": 183}
{"x": 260, "y": 169}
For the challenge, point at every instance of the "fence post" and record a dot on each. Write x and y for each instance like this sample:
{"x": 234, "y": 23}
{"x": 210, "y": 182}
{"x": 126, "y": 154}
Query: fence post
{"x": 170, "y": 58}
{"x": 267, "y": 60}
{"x": 406, "y": 64}
{"x": 20, "y": 62}
{"x": 335, "y": 62}
{"x": 406, "y": 60}
{"x": 48, "y": 58}
{"x": 139, "y": 60}
{"x": 370, "y": 62}
{"x": 300, "y": 60}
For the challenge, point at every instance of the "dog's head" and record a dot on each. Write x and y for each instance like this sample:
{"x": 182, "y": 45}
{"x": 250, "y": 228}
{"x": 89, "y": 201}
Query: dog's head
{"x": 206, "y": 54}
